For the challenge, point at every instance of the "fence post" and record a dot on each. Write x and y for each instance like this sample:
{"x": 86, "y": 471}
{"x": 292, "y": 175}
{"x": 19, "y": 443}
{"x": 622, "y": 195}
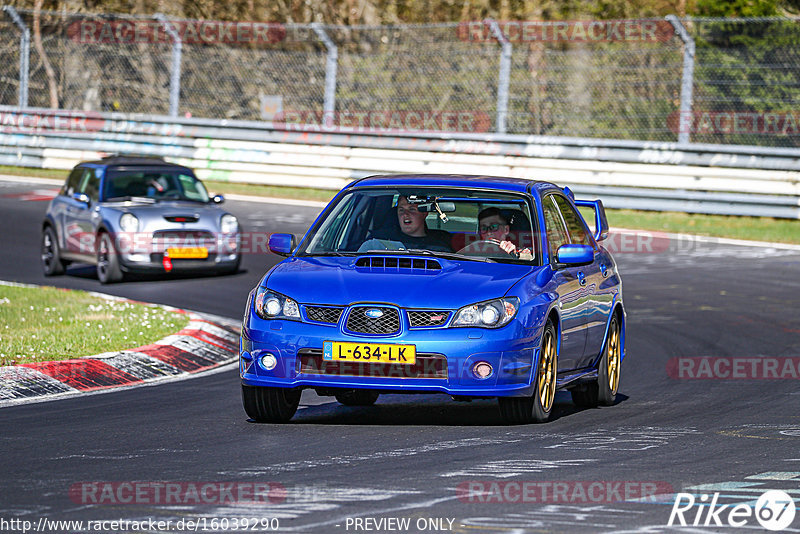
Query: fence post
{"x": 687, "y": 80}
{"x": 175, "y": 74}
{"x": 504, "y": 77}
{"x": 331, "y": 63}
{"x": 24, "y": 55}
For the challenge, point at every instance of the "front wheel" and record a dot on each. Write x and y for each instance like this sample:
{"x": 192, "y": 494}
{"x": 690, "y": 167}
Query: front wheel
{"x": 358, "y": 397}
{"x": 270, "y": 405}
{"x": 52, "y": 264}
{"x": 108, "y": 270}
{"x": 537, "y": 408}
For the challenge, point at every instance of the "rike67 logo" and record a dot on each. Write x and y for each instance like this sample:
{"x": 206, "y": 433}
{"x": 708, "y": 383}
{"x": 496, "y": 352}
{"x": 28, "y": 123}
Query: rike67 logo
{"x": 774, "y": 510}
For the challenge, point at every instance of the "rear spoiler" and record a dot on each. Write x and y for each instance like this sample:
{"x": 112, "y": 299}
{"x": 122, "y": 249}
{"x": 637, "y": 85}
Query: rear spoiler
{"x": 600, "y": 220}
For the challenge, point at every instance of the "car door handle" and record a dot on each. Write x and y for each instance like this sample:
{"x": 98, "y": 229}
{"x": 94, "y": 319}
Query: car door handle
{"x": 581, "y": 278}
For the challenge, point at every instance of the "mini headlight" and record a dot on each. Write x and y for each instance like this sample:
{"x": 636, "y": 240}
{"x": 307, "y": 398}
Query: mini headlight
{"x": 228, "y": 224}
{"x": 490, "y": 314}
{"x": 271, "y": 305}
{"x": 128, "y": 222}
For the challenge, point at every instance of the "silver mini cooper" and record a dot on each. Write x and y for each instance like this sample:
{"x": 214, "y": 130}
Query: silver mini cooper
{"x": 138, "y": 215}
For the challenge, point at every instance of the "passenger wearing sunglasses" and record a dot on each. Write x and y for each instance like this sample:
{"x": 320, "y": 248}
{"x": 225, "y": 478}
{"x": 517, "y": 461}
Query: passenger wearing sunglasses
{"x": 492, "y": 226}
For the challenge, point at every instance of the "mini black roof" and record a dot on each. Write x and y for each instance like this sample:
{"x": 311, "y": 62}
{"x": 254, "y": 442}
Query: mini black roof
{"x": 133, "y": 161}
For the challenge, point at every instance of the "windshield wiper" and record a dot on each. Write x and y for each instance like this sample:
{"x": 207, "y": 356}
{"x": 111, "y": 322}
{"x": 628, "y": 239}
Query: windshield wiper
{"x": 331, "y": 253}
{"x": 132, "y": 199}
{"x": 442, "y": 254}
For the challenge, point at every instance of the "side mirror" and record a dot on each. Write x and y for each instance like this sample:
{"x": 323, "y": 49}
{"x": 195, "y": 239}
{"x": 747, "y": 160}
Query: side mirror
{"x": 81, "y": 197}
{"x": 281, "y": 244}
{"x": 575, "y": 254}
{"x": 218, "y": 199}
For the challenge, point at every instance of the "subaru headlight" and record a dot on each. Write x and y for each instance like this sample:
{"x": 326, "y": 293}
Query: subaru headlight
{"x": 271, "y": 305}
{"x": 490, "y": 314}
{"x": 228, "y": 224}
{"x": 129, "y": 223}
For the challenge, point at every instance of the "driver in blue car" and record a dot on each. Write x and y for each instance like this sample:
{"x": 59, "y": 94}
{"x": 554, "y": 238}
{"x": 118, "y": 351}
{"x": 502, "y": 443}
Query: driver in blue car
{"x": 415, "y": 233}
{"x": 494, "y": 227}
{"x": 411, "y": 232}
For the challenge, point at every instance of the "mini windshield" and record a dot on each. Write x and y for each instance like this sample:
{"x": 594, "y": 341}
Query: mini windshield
{"x": 154, "y": 184}
{"x": 475, "y": 225}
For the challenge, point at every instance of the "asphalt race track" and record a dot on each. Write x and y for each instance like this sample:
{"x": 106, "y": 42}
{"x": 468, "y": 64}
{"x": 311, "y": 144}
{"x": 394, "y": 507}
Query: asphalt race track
{"x": 406, "y": 457}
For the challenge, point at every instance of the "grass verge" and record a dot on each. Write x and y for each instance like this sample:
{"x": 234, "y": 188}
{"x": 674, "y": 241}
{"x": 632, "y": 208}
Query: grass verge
{"x": 749, "y": 228}
{"x": 48, "y": 324}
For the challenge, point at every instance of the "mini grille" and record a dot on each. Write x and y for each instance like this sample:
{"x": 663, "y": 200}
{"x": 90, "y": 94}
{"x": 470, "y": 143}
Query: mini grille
{"x": 321, "y": 314}
{"x": 388, "y": 323}
{"x": 391, "y": 262}
{"x": 182, "y": 218}
{"x": 419, "y": 319}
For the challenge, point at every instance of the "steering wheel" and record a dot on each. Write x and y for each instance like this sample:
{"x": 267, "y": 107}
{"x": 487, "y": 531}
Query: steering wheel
{"x": 484, "y": 247}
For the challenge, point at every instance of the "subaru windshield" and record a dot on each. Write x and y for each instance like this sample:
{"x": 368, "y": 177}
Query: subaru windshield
{"x": 477, "y": 225}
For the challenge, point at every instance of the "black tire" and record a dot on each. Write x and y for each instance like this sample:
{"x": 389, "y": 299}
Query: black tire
{"x": 108, "y": 270}
{"x": 608, "y": 372}
{"x": 270, "y": 405}
{"x": 52, "y": 264}
{"x": 604, "y": 390}
{"x": 358, "y": 397}
{"x": 233, "y": 269}
{"x": 536, "y": 408}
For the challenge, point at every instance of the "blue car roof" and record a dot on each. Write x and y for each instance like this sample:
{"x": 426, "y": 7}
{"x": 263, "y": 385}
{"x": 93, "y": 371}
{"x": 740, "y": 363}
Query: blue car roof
{"x": 453, "y": 180}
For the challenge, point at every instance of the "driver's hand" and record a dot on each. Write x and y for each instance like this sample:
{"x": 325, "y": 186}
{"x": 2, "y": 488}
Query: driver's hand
{"x": 508, "y": 247}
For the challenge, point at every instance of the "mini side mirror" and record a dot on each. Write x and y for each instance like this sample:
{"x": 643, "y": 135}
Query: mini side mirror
{"x": 81, "y": 197}
{"x": 218, "y": 199}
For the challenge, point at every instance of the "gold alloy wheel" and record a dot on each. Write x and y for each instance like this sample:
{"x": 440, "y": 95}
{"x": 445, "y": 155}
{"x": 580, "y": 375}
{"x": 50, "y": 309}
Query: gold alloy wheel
{"x": 547, "y": 371}
{"x": 613, "y": 357}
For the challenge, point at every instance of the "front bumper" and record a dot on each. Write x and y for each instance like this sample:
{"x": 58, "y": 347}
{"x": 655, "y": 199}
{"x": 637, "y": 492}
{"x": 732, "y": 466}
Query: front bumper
{"x": 144, "y": 252}
{"x": 446, "y": 357}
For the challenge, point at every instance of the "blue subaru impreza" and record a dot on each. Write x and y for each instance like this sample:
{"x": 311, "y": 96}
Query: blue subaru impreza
{"x": 473, "y": 286}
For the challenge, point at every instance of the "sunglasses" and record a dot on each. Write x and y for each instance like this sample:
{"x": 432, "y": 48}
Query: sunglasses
{"x": 489, "y": 227}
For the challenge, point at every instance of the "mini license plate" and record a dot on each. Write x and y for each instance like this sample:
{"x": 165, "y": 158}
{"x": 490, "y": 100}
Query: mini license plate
{"x": 188, "y": 253}
{"x": 368, "y": 352}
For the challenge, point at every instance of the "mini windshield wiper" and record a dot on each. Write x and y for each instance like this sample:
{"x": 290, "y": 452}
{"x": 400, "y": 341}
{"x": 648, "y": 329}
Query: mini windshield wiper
{"x": 132, "y": 199}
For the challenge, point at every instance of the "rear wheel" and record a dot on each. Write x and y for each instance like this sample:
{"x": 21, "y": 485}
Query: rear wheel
{"x": 52, "y": 264}
{"x": 358, "y": 397}
{"x": 604, "y": 390}
{"x": 537, "y": 408}
{"x": 108, "y": 270}
{"x": 270, "y": 405}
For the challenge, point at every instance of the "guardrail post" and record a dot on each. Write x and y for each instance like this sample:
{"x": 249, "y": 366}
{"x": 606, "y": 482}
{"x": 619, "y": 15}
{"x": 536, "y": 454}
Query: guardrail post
{"x": 687, "y": 80}
{"x": 504, "y": 76}
{"x": 24, "y": 55}
{"x": 331, "y": 64}
{"x": 175, "y": 73}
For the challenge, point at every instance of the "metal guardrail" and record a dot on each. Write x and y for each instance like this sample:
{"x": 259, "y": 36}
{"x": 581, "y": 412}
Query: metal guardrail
{"x": 720, "y": 179}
